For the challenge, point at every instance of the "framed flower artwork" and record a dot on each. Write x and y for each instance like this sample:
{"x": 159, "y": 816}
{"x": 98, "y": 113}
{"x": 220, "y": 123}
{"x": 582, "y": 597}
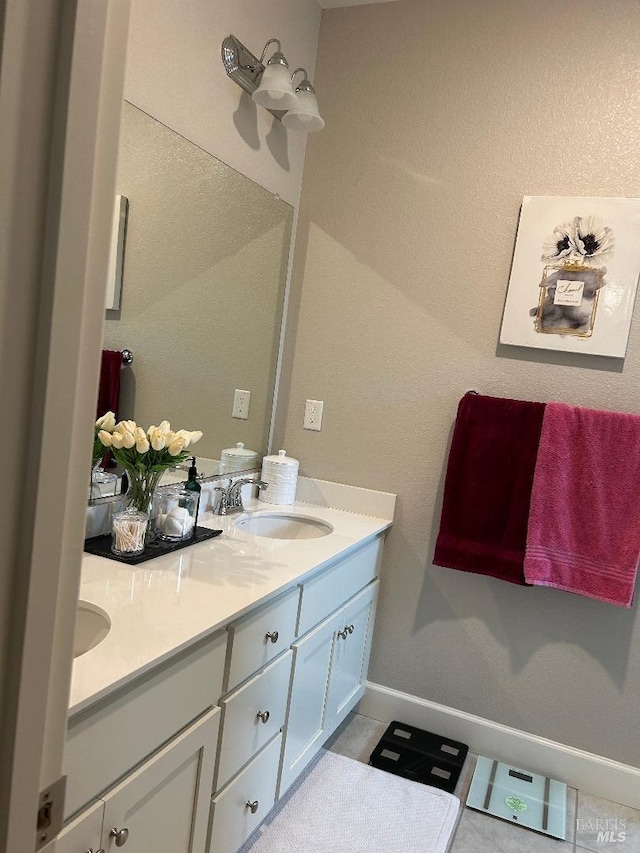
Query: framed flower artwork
{"x": 574, "y": 275}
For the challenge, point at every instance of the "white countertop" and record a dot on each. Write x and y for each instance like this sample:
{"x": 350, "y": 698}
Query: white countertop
{"x": 168, "y": 603}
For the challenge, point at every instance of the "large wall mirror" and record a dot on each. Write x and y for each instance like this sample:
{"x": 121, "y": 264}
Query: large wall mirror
{"x": 203, "y": 285}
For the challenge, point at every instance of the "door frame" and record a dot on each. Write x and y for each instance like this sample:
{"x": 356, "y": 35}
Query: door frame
{"x": 61, "y": 86}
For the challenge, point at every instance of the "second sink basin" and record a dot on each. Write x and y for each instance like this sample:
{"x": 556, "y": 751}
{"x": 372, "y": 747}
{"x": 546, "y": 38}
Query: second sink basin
{"x": 92, "y": 626}
{"x": 278, "y": 525}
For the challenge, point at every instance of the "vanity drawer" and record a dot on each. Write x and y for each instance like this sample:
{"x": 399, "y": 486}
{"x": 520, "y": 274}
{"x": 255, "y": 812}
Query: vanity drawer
{"x": 233, "y": 818}
{"x": 328, "y": 591}
{"x": 243, "y": 731}
{"x": 261, "y": 636}
{"x": 110, "y": 738}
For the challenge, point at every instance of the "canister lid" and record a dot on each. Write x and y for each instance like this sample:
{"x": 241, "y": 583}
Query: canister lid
{"x": 281, "y": 459}
{"x": 239, "y": 450}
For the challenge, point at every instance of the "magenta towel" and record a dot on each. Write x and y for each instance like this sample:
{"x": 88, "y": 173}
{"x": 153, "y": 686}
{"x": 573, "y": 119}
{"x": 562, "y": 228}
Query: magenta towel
{"x": 584, "y": 522}
{"x": 483, "y": 526}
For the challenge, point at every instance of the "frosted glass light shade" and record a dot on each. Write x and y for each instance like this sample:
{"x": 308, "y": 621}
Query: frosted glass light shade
{"x": 304, "y": 117}
{"x": 275, "y": 91}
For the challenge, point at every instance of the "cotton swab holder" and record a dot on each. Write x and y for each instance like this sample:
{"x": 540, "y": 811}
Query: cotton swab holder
{"x": 128, "y": 532}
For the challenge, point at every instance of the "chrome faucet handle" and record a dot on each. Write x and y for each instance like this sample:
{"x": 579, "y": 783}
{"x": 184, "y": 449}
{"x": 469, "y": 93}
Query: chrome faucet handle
{"x": 235, "y": 494}
{"x": 223, "y": 503}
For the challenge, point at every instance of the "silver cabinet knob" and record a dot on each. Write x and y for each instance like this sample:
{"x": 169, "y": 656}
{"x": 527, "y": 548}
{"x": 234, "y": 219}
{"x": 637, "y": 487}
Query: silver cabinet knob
{"x": 252, "y": 806}
{"x": 264, "y": 716}
{"x": 343, "y": 634}
{"x": 91, "y": 850}
{"x": 273, "y": 636}
{"x": 350, "y": 628}
{"x": 120, "y": 835}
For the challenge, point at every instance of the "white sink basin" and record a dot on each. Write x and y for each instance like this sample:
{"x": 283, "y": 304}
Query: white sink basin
{"x": 278, "y": 525}
{"x": 92, "y": 626}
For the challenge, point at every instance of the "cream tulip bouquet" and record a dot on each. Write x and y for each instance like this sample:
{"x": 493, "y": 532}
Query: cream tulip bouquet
{"x": 145, "y": 456}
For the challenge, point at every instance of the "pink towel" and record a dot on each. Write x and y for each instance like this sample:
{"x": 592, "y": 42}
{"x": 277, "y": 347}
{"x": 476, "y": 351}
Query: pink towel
{"x": 584, "y": 522}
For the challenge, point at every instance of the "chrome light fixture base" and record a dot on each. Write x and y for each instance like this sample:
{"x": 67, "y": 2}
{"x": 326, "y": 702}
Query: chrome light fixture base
{"x": 244, "y": 68}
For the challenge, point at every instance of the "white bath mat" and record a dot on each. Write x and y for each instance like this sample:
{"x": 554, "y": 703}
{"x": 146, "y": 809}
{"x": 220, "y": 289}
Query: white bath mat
{"x": 342, "y": 804}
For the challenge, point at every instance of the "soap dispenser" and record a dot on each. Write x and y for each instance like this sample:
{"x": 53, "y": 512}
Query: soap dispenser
{"x": 192, "y": 485}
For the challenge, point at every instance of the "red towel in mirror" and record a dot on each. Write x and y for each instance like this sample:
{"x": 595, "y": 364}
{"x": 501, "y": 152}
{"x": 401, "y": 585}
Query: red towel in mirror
{"x": 109, "y": 388}
{"x": 109, "y": 391}
{"x": 485, "y": 509}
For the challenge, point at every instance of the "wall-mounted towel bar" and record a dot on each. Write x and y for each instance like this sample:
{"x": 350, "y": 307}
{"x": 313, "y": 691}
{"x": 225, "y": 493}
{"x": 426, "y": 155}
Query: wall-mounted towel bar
{"x": 127, "y": 357}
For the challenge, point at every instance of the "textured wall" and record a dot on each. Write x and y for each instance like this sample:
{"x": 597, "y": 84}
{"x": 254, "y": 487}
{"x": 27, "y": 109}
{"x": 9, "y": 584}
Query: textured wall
{"x": 174, "y": 72}
{"x": 440, "y": 117}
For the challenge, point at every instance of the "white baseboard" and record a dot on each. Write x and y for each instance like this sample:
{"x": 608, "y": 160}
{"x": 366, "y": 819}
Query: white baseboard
{"x": 584, "y": 770}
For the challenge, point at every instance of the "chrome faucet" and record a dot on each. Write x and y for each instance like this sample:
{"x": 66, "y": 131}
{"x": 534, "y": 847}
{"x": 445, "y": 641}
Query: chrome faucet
{"x": 231, "y": 495}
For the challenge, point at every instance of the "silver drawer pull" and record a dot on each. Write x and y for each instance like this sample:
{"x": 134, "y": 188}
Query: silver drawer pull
{"x": 264, "y": 716}
{"x": 350, "y": 628}
{"x": 253, "y": 806}
{"x": 343, "y": 633}
{"x": 273, "y": 636}
{"x": 120, "y": 835}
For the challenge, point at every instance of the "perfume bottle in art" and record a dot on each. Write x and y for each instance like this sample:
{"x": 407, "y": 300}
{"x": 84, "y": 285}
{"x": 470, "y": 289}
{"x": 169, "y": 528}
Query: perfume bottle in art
{"x": 568, "y": 302}
{"x": 575, "y": 254}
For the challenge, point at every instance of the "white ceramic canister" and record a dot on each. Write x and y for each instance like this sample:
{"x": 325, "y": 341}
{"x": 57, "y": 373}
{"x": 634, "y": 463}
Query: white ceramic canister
{"x": 281, "y": 473}
{"x": 238, "y": 458}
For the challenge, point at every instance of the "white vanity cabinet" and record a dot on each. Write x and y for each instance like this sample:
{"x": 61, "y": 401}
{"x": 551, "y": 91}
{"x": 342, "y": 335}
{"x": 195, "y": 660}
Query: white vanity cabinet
{"x": 330, "y": 669}
{"x": 83, "y": 835}
{"x": 350, "y": 659}
{"x": 161, "y": 806}
{"x": 165, "y": 804}
{"x": 191, "y": 756}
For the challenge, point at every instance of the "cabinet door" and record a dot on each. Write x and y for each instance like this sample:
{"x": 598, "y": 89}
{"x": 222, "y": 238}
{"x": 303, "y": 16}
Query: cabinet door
{"x": 350, "y": 658}
{"x": 83, "y": 834}
{"x": 164, "y": 805}
{"x": 305, "y": 729}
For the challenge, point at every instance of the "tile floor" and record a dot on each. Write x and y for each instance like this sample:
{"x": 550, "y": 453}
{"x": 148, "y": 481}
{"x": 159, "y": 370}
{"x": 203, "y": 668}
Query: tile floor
{"x": 478, "y": 833}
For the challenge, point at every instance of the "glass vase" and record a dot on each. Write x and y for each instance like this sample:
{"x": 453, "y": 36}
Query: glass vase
{"x": 142, "y": 487}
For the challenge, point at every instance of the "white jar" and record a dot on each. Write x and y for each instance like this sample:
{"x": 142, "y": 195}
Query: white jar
{"x": 238, "y": 458}
{"x": 281, "y": 474}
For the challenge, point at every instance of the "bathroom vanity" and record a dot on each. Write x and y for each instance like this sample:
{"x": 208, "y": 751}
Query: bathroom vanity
{"x": 227, "y": 666}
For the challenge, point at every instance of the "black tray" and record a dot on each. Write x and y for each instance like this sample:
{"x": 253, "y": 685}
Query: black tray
{"x": 422, "y": 756}
{"x": 101, "y": 546}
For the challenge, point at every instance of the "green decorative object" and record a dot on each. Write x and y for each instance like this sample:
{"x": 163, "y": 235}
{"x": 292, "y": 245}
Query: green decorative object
{"x": 516, "y": 804}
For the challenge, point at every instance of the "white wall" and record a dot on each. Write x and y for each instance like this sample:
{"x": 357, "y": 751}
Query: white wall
{"x": 407, "y": 222}
{"x": 175, "y": 73}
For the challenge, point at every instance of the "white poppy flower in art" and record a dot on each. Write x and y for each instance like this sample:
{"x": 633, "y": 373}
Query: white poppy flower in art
{"x": 560, "y": 244}
{"x": 595, "y": 242}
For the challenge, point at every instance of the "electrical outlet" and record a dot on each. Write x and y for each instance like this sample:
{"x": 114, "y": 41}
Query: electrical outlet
{"x": 313, "y": 414}
{"x": 241, "y": 402}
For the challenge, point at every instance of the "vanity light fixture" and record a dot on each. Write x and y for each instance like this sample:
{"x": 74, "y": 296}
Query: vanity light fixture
{"x": 271, "y": 86}
{"x": 304, "y": 115}
{"x": 275, "y": 91}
